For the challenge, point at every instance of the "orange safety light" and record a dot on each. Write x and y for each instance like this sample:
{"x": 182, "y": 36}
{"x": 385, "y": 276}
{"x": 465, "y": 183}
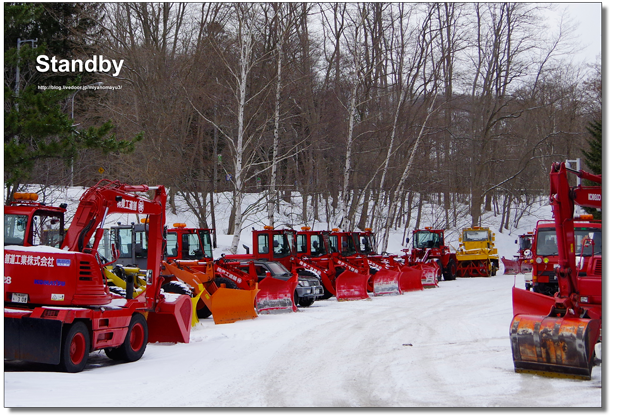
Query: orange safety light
{"x": 25, "y": 196}
{"x": 368, "y": 229}
{"x": 335, "y": 229}
{"x": 305, "y": 228}
{"x": 179, "y": 225}
{"x": 268, "y": 228}
{"x": 585, "y": 217}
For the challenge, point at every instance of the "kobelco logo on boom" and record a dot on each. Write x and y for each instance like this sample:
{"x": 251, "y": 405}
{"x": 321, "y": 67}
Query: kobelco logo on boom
{"x": 595, "y": 196}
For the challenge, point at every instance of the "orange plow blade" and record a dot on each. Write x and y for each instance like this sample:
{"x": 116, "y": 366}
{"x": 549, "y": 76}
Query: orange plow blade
{"x": 386, "y": 282}
{"x": 554, "y": 346}
{"x": 411, "y": 279}
{"x": 229, "y": 305}
{"x": 172, "y": 320}
{"x": 276, "y": 296}
{"x": 352, "y": 286}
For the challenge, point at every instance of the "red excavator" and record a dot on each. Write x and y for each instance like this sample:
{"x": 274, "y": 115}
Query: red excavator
{"x": 556, "y": 336}
{"x": 58, "y": 305}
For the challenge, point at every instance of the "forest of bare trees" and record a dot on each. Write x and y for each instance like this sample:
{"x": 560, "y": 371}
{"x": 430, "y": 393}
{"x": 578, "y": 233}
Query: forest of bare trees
{"x": 364, "y": 111}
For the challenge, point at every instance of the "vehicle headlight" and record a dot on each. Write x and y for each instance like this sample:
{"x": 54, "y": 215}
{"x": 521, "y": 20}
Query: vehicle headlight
{"x": 304, "y": 283}
{"x": 546, "y": 260}
{"x": 538, "y": 260}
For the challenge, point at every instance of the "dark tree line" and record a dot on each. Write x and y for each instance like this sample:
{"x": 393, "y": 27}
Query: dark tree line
{"x": 360, "y": 112}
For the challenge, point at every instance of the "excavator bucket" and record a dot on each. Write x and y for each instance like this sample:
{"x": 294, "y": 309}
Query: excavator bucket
{"x": 386, "y": 282}
{"x": 411, "y": 279}
{"x": 352, "y": 286}
{"x": 172, "y": 320}
{"x": 548, "y": 345}
{"x": 229, "y": 305}
{"x": 276, "y": 295}
{"x": 554, "y": 346}
{"x": 511, "y": 266}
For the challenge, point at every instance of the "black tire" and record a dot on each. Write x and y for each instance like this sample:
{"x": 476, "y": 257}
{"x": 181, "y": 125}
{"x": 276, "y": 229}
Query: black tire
{"x": 306, "y": 302}
{"x": 75, "y": 348}
{"x": 135, "y": 342}
{"x": 441, "y": 270}
{"x": 227, "y": 283}
{"x": 450, "y": 271}
{"x": 176, "y": 288}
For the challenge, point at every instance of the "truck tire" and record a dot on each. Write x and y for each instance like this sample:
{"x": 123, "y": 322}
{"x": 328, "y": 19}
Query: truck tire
{"x": 306, "y": 302}
{"x": 450, "y": 270}
{"x": 75, "y": 348}
{"x": 135, "y": 342}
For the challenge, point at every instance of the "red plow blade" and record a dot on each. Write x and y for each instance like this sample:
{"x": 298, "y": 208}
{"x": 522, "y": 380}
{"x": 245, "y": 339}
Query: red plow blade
{"x": 386, "y": 282}
{"x": 430, "y": 274}
{"x": 352, "y": 286}
{"x": 276, "y": 296}
{"x": 411, "y": 279}
{"x": 511, "y": 266}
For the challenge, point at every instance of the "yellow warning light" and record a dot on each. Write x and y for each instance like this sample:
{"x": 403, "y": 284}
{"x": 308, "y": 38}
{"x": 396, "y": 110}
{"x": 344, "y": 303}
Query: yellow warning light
{"x": 546, "y": 260}
{"x": 305, "y": 228}
{"x": 144, "y": 220}
{"x": 268, "y": 228}
{"x": 179, "y": 225}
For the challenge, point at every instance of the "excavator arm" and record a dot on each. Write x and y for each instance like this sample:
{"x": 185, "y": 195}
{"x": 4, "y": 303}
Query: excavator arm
{"x": 556, "y": 336}
{"x": 108, "y": 197}
{"x": 563, "y": 199}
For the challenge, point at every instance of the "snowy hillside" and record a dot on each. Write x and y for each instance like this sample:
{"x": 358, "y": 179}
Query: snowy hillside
{"x": 441, "y": 347}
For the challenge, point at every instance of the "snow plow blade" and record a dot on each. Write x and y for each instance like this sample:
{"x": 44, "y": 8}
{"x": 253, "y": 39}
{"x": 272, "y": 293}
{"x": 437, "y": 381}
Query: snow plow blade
{"x": 411, "y": 279}
{"x": 511, "y": 267}
{"x": 171, "y": 321}
{"x": 385, "y": 282}
{"x": 276, "y": 296}
{"x": 430, "y": 274}
{"x": 554, "y": 346}
{"x": 352, "y": 286}
{"x": 229, "y": 305}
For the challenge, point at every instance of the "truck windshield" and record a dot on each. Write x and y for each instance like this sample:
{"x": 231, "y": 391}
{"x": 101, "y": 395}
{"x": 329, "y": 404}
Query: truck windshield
{"x": 426, "y": 239}
{"x": 476, "y": 236}
{"x": 546, "y": 242}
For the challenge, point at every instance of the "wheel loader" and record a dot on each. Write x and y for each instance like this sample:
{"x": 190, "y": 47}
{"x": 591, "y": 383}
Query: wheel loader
{"x": 309, "y": 253}
{"x": 427, "y": 246}
{"x": 234, "y": 293}
{"x": 476, "y": 255}
{"x": 58, "y": 304}
{"x": 556, "y": 336}
{"x": 391, "y": 274}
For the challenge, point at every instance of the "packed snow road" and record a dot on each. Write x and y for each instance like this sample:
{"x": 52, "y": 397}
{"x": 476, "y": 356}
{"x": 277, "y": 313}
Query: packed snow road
{"x": 443, "y": 347}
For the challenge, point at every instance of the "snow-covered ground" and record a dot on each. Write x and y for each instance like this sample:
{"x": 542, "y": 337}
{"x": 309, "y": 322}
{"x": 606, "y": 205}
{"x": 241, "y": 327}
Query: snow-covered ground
{"x": 442, "y": 347}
